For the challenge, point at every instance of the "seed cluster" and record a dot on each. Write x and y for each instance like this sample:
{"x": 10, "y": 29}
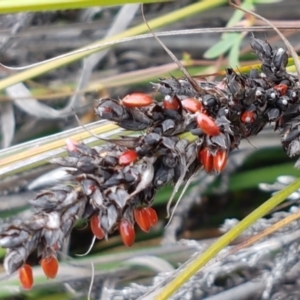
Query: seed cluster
{"x": 114, "y": 185}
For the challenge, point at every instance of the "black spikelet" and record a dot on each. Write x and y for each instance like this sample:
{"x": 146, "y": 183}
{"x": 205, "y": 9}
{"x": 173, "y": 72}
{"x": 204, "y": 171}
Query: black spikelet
{"x": 114, "y": 185}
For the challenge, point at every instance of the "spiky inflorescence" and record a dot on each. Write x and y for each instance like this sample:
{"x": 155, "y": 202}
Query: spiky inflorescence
{"x": 114, "y": 185}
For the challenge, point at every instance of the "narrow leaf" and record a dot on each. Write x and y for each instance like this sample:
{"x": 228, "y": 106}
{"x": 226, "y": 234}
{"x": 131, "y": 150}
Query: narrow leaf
{"x": 234, "y": 52}
{"x": 8, "y": 6}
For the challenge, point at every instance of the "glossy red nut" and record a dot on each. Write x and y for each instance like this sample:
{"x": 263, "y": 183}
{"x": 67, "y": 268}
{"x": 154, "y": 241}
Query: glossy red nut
{"x": 281, "y": 88}
{"x": 26, "y": 277}
{"x": 207, "y": 124}
{"x": 220, "y": 160}
{"x": 137, "y": 100}
{"x": 153, "y": 218}
{"x": 50, "y": 266}
{"x": 192, "y": 105}
{"x": 171, "y": 103}
{"x": 95, "y": 227}
{"x": 207, "y": 160}
{"x": 141, "y": 216}
{"x": 127, "y": 157}
{"x": 127, "y": 233}
{"x": 248, "y": 117}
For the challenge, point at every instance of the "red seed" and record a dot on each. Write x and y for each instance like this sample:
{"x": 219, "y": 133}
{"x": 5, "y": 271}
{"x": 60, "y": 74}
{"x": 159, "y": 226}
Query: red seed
{"x": 95, "y": 227}
{"x": 127, "y": 157}
{"x": 192, "y": 105}
{"x": 206, "y": 159}
{"x": 171, "y": 103}
{"x": 141, "y": 216}
{"x": 50, "y": 266}
{"x": 127, "y": 233}
{"x": 26, "y": 277}
{"x": 248, "y": 117}
{"x": 220, "y": 160}
{"x": 281, "y": 88}
{"x": 207, "y": 124}
{"x": 137, "y": 100}
{"x": 152, "y": 216}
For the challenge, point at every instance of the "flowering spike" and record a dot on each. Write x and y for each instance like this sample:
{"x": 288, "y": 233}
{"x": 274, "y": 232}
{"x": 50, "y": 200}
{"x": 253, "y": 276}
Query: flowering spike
{"x": 142, "y": 218}
{"x": 109, "y": 181}
{"x": 50, "y": 266}
{"x": 26, "y": 276}
{"x": 127, "y": 157}
{"x": 192, "y": 105}
{"x": 207, "y": 124}
{"x": 206, "y": 159}
{"x": 137, "y": 100}
{"x": 127, "y": 233}
{"x": 220, "y": 160}
{"x": 153, "y": 218}
{"x": 171, "y": 103}
{"x": 95, "y": 227}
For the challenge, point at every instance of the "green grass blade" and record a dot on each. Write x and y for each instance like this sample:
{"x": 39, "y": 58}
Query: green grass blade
{"x": 16, "y": 6}
{"x": 219, "y": 48}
